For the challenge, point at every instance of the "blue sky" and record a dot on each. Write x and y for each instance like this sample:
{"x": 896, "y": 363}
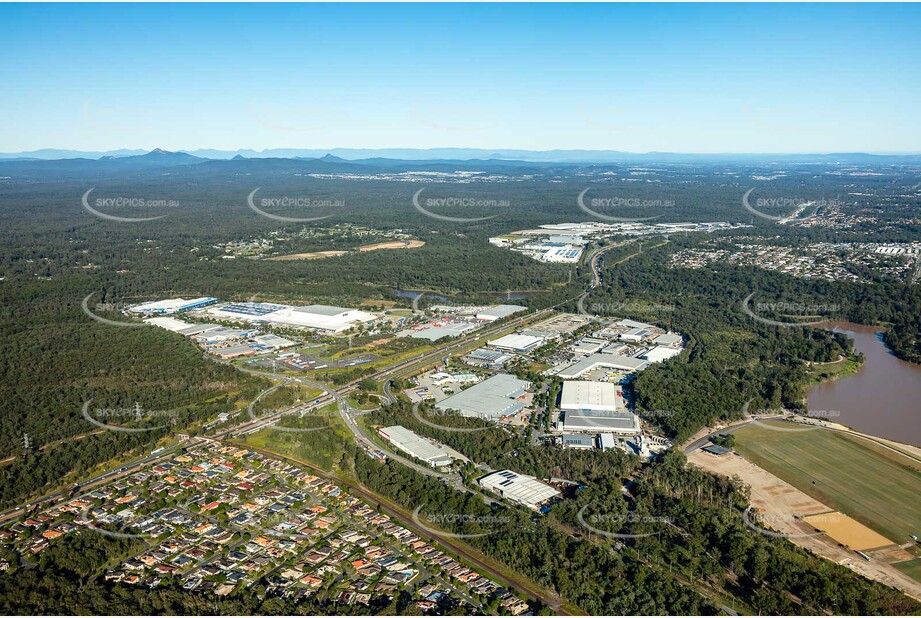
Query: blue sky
{"x": 683, "y": 78}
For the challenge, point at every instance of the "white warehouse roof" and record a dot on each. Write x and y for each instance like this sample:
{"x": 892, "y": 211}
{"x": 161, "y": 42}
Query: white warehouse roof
{"x": 588, "y": 396}
{"x": 516, "y": 343}
{"x": 417, "y": 446}
{"x": 669, "y": 339}
{"x": 320, "y": 317}
{"x": 499, "y": 311}
{"x": 519, "y": 488}
{"x": 659, "y": 354}
{"x": 171, "y": 305}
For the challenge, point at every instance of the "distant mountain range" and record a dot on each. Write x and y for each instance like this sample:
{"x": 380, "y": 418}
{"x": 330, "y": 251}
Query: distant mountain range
{"x": 367, "y": 156}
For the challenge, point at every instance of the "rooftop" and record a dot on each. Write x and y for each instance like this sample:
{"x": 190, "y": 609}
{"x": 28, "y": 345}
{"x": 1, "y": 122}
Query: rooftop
{"x": 578, "y": 395}
{"x": 490, "y": 398}
{"x": 520, "y": 488}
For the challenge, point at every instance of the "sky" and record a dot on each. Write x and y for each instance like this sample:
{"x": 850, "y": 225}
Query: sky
{"x": 652, "y": 77}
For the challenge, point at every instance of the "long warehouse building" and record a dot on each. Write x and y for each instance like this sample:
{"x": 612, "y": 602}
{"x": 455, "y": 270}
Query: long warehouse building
{"x": 613, "y": 361}
{"x": 490, "y": 399}
{"x": 519, "y": 488}
{"x": 417, "y": 446}
{"x": 317, "y": 317}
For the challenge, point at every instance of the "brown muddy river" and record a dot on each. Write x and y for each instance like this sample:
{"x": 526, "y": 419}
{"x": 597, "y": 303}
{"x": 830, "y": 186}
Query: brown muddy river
{"x": 882, "y": 399}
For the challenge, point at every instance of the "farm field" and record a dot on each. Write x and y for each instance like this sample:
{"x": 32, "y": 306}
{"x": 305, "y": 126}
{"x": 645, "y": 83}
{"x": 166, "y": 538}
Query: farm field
{"x": 912, "y": 568}
{"x": 877, "y": 487}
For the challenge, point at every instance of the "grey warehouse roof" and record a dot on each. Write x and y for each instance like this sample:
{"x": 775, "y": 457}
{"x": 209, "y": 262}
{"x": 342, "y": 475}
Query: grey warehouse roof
{"x": 490, "y": 398}
{"x": 592, "y": 420}
{"x": 616, "y": 361}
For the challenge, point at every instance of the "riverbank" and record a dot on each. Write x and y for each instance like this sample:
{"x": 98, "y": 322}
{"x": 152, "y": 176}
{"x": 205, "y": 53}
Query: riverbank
{"x": 878, "y": 398}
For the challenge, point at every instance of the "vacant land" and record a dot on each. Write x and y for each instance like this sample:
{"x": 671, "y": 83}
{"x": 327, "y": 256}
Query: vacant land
{"x": 877, "y": 487}
{"x": 847, "y": 531}
{"x": 317, "y": 255}
{"x": 912, "y": 568}
{"x": 393, "y": 244}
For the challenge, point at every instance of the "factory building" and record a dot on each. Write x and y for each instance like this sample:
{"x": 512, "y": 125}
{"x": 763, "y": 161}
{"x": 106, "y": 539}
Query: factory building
{"x": 587, "y": 345}
{"x": 273, "y": 342}
{"x": 416, "y": 446}
{"x": 597, "y": 396}
{"x": 580, "y": 442}
{"x": 520, "y": 489}
{"x": 566, "y": 254}
{"x": 613, "y": 361}
{"x": 490, "y": 399}
{"x": 498, "y": 312}
{"x": 659, "y": 354}
{"x": 317, "y": 317}
{"x": 669, "y": 340}
{"x": 484, "y": 357}
{"x": 171, "y": 305}
{"x": 594, "y": 421}
{"x": 520, "y": 344}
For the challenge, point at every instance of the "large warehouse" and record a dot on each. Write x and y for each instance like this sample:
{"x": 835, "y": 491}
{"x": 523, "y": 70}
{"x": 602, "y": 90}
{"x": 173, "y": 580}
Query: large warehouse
{"x": 490, "y": 399}
{"x": 598, "y": 396}
{"x": 498, "y": 312}
{"x": 520, "y": 344}
{"x": 317, "y": 317}
{"x": 622, "y": 423}
{"x": 519, "y": 488}
{"x": 614, "y": 361}
{"x": 417, "y": 446}
{"x": 171, "y": 305}
{"x": 660, "y": 353}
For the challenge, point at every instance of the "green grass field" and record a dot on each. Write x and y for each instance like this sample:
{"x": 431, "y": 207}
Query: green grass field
{"x": 875, "y": 486}
{"x": 912, "y": 568}
{"x": 322, "y": 448}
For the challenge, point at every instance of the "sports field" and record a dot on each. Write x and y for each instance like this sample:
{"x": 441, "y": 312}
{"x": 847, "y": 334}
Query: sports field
{"x": 875, "y": 486}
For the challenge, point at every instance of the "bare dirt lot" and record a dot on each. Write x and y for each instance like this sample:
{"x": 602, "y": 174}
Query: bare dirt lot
{"x": 318, "y": 255}
{"x": 393, "y": 244}
{"x": 847, "y": 531}
{"x": 780, "y": 505}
